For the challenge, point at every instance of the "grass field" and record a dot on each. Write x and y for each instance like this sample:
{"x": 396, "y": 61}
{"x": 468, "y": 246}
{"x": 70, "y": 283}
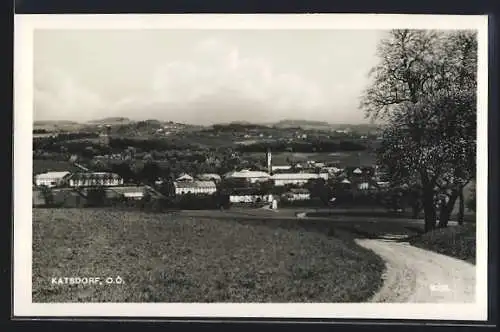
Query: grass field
{"x": 176, "y": 258}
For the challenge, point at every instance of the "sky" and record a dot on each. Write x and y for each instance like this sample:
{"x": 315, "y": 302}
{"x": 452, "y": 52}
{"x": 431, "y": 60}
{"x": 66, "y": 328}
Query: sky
{"x": 202, "y": 76}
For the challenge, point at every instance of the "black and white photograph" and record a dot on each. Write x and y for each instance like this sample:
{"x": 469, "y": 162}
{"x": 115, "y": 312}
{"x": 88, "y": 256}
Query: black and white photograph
{"x": 251, "y": 166}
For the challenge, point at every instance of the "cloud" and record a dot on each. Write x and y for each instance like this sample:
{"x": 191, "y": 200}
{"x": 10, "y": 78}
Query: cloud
{"x": 56, "y": 95}
{"x": 222, "y": 82}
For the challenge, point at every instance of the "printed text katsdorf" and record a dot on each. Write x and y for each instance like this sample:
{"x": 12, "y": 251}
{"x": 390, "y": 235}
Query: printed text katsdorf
{"x": 86, "y": 280}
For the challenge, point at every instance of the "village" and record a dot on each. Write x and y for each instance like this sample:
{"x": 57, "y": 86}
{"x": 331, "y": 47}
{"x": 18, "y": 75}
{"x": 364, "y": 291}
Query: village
{"x": 276, "y": 184}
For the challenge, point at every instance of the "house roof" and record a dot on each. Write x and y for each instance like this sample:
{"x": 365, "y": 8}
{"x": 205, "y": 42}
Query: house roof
{"x": 209, "y": 176}
{"x": 93, "y": 175}
{"x": 128, "y": 189}
{"x": 195, "y": 184}
{"x": 52, "y": 175}
{"x": 295, "y": 176}
{"x": 185, "y": 177}
{"x": 247, "y": 174}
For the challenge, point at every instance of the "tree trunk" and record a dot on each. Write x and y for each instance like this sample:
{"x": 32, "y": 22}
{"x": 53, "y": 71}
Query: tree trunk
{"x": 461, "y": 206}
{"x": 445, "y": 213}
{"x": 429, "y": 211}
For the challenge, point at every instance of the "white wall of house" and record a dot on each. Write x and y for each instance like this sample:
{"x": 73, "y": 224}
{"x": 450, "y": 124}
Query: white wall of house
{"x": 247, "y": 198}
{"x": 95, "y": 182}
{"x": 47, "y": 182}
{"x": 195, "y": 190}
{"x": 299, "y": 197}
{"x": 283, "y": 182}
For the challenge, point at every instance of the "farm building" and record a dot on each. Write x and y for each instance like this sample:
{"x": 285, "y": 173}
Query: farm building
{"x": 249, "y": 176}
{"x": 194, "y": 187}
{"x": 51, "y": 179}
{"x": 129, "y": 192}
{"x": 90, "y": 179}
{"x": 296, "y": 178}
{"x": 248, "y": 195}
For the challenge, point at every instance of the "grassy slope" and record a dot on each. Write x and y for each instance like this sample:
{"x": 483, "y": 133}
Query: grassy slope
{"x": 458, "y": 242}
{"x": 171, "y": 258}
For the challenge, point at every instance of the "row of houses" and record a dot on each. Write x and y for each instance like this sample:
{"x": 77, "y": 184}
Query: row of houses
{"x": 78, "y": 179}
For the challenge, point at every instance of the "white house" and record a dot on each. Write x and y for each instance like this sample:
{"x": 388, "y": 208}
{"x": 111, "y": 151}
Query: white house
{"x": 90, "y": 179}
{"x": 195, "y": 187}
{"x": 298, "y": 194}
{"x": 51, "y": 179}
{"x": 250, "y": 176}
{"x": 249, "y": 195}
{"x": 363, "y": 186}
{"x": 296, "y": 178}
{"x": 132, "y": 192}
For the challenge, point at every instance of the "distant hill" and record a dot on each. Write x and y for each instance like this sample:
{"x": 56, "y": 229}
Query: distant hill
{"x": 111, "y": 121}
{"x": 296, "y": 123}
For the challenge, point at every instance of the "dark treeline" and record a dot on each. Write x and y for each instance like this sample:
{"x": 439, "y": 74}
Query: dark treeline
{"x": 236, "y": 127}
{"x": 305, "y": 147}
{"x": 149, "y": 144}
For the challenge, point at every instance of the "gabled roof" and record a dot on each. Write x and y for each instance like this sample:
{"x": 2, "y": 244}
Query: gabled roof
{"x": 52, "y": 175}
{"x": 247, "y": 174}
{"x": 295, "y": 176}
{"x": 357, "y": 171}
{"x": 185, "y": 177}
{"x": 194, "y": 184}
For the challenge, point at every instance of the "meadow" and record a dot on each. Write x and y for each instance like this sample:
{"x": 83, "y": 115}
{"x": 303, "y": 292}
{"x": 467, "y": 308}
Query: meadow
{"x": 173, "y": 257}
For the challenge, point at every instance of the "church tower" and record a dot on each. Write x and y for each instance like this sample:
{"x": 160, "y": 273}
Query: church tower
{"x": 269, "y": 162}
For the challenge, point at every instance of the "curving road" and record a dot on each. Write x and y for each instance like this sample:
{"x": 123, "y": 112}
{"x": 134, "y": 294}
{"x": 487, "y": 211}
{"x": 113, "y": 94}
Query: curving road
{"x": 415, "y": 275}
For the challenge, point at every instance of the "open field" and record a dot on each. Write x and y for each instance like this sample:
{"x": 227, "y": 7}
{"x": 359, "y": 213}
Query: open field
{"x": 342, "y": 158}
{"x": 181, "y": 258}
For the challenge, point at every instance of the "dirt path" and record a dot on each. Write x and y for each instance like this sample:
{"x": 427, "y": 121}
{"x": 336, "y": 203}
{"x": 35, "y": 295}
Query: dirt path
{"x": 419, "y": 276}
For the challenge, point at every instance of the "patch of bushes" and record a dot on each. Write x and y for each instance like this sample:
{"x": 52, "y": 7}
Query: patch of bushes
{"x": 454, "y": 241}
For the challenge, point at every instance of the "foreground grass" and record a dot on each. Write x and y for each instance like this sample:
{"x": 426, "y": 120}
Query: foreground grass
{"x": 174, "y": 258}
{"x": 454, "y": 241}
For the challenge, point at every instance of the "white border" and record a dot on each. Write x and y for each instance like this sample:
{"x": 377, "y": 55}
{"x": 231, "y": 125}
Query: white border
{"x": 23, "y": 120}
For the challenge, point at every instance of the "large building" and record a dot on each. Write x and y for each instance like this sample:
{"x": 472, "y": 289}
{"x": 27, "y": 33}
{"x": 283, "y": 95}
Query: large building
{"x": 249, "y": 176}
{"x": 284, "y": 179}
{"x": 51, "y": 179}
{"x": 92, "y": 179}
{"x": 194, "y": 187}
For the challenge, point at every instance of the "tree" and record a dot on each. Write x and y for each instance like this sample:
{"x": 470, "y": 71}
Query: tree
{"x": 424, "y": 89}
{"x": 471, "y": 202}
